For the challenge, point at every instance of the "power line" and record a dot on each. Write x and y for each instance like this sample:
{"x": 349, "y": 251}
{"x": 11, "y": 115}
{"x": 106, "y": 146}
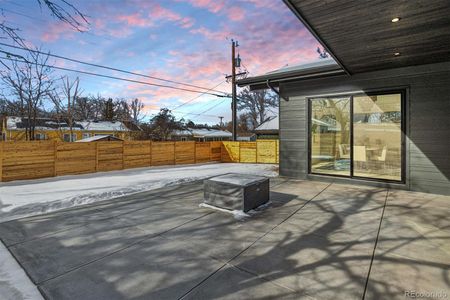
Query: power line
{"x": 47, "y": 21}
{"x": 109, "y": 68}
{"x": 196, "y": 97}
{"x": 114, "y": 77}
{"x": 203, "y": 112}
{"x": 135, "y": 81}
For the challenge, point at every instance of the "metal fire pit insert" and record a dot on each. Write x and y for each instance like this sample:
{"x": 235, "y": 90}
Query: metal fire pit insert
{"x": 236, "y": 191}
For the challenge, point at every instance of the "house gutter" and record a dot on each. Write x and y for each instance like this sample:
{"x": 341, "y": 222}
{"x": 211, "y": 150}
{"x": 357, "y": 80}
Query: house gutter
{"x": 269, "y": 82}
{"x": 275, "y": 90}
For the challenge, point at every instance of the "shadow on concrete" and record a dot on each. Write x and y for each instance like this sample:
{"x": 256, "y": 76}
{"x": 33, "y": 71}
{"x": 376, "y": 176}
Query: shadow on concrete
{"x": 313, "y": 241}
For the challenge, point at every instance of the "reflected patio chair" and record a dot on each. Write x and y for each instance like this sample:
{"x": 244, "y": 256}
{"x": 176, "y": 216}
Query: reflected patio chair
{"x": 383, "y": 155}
{"x": 360, "y": 156}
{"x": 382, "y": 158}
{"x": 343, "y": 151}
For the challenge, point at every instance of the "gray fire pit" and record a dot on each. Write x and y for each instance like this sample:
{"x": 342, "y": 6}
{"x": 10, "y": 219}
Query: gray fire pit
{"x": 237, "y": 191}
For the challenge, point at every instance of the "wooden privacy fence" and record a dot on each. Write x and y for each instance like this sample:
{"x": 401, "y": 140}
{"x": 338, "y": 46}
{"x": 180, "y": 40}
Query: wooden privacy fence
{"x": 39, "y": 159}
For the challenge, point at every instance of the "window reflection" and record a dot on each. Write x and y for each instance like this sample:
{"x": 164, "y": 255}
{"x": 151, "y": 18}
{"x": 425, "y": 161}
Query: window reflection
{"x": 330, "y": 136}
{"x": 377, "y": 136}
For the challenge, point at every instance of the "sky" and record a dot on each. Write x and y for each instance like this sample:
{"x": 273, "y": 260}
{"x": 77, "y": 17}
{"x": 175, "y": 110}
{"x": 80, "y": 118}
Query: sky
{"x": 183, "y": 40}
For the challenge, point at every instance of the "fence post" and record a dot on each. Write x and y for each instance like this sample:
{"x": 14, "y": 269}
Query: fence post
{"x": 96, "y": 156}
{"x": 174, "y": 154}
{"x": 55, "y": 156}
{"x": 123, "y": 159}
{"x": 195, "y": 152}
{"x": 150, "y": 152}
{"x": 1, "y": 161}
{"x": 239, "y": 145}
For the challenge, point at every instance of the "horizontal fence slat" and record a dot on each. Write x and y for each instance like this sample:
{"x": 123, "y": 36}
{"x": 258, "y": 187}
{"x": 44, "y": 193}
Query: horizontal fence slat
{"x": 39, "y": 159}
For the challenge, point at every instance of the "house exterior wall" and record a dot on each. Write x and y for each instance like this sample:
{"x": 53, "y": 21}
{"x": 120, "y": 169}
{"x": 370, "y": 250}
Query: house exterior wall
{"x": 427, "y": 113}
{"x": 197, "y": 139}
{"x": 19, "y": 135}
{"x": 267, "y": 135}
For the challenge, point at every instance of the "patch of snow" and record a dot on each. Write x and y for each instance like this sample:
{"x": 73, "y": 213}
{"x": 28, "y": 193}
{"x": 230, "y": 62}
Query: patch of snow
{"x": 31, "y": 197}
{"x": 103, "y": 126}
{"x": 14, "y": 283}
{"x": 239, "y": 214}
{"x": 239, "y": 179}
{"x": 202, "y": 133}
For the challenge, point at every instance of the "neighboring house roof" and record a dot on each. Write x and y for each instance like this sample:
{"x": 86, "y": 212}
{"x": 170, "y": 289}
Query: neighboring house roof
{"x": 131, "y": 125}
{"x": 269, "y": 125}
{"x": 40, "y": 123}
{"x": 103, "y": 126}
{"x": 17, "y": 123}
{"x": 203, "y": 133}
{"x": 99, "y": 138}
{"x": 247, "y": 138}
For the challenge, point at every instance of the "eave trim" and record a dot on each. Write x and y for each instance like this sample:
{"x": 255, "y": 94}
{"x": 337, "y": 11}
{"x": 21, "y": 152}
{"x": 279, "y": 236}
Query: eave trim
{"x": 314, "y": 33}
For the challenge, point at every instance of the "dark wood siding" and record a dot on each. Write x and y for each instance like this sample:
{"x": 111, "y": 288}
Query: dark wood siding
{"x": 427, "y": 117}
{"x": 361, "y": 35}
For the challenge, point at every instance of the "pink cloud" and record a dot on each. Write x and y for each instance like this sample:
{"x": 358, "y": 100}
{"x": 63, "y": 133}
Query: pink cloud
{"x": 212, "y": 35}
{"x": 236, "y": 13}
{"x": 56, "y": 31}
{"x": 213, "y": 6}
{"x": 162, "y": 13}
{"x": 135, "y": 19}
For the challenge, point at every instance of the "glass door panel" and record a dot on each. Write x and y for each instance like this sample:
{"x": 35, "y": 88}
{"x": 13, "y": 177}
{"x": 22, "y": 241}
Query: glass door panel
{"x": 377, "y": 136}
{"x": 330, "y": 136}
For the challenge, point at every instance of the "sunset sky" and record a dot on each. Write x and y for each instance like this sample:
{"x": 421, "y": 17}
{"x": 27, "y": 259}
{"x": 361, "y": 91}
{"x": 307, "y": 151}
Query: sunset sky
{"x": 187, "y": 41}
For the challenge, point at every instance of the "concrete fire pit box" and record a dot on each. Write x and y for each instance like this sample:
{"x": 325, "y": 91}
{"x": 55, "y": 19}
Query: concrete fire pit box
{"x": 237, "y": 191}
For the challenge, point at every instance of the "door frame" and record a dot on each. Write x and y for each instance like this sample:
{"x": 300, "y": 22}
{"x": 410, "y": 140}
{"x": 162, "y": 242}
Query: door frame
{"x": 350, "y": 95}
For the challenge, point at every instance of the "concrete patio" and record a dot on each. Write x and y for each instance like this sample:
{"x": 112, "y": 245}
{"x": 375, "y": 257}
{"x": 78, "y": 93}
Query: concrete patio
{"x": 316, "y": 241}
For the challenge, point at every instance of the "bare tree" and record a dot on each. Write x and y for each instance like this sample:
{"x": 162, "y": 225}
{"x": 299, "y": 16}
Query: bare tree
{"x": 121, "y": 110}
{"x": 136, "y": 110}
{"x": 257, "y": 105}
{"x": 30, "y": 82}
{"x": 66, "y": 102}
{"x": 71, "y": 93}
{"x": 61, "y": 9}
{"x": 66, "y": 12}
{"x": 98, "y": 104}
{"x": 83, "y": 109}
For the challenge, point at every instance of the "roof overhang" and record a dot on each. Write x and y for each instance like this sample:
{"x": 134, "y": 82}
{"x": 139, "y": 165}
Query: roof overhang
{"x": 361, "y": 37}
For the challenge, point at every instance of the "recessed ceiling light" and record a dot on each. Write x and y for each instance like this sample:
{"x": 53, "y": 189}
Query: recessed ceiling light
{"x": 395, "y": 20}
{"x": 397, "y": 53}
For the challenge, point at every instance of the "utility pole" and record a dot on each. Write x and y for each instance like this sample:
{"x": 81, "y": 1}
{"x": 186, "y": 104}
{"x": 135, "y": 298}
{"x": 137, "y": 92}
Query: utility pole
{"x": 221, "y": 123}
{"x": 234, "y": 44}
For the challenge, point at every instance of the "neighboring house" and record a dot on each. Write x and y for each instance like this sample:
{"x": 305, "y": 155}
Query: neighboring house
{"x": 246, "y": 137}
{"x": 268, "y": 129}
{"x": 201, "y": 135}
{"x": 14, "y": 129}
{"x": 99, "y": 138}
{"x": 378, "y": 111}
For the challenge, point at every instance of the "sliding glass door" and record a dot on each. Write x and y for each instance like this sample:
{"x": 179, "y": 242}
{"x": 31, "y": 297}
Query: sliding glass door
{"x": 330, "y": 136}
{"x": 357, "y": 136}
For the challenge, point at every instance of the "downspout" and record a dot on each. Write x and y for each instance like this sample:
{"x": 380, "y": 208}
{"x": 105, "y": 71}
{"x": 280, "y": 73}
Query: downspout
{"x": 275, "y": 90}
